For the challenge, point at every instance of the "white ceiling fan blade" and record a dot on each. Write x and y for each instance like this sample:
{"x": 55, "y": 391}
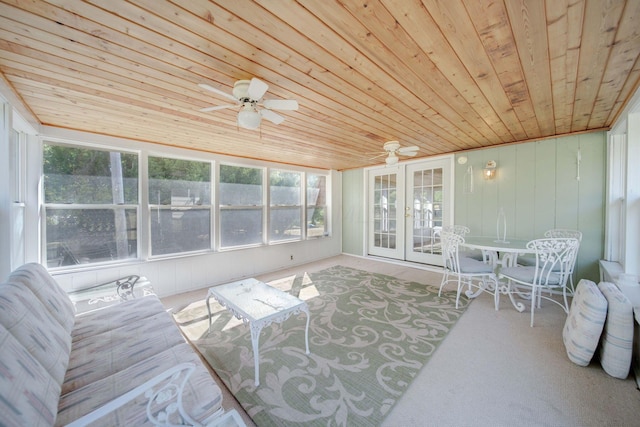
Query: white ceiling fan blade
{"x": 218, "y": 91}
{"x": 217, "y": 107}
{"x": 257, "y": 89}
{"x": 272, "y": 117}
{"x": 378, "y": 156}
{"x": 281, "y": 104}
{"x": 408, "y": 151}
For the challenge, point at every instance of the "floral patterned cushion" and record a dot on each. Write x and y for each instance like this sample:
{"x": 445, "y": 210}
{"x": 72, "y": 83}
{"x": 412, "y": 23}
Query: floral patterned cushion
{"x": 616, "y": 345}
{"x": 53, "y": 297}
{"x": 126, "y": 313}
{"x": 29, "y": 394}
{"x": 47, "y": 352}
{"x": 22, "y": 314}
{"x": 202, "y": 396}
{"x": 583, "y": 327}
{"x": 102, "y": 355}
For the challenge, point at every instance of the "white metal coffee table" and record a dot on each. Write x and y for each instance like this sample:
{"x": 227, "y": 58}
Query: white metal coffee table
{"x": 259, "y": 305}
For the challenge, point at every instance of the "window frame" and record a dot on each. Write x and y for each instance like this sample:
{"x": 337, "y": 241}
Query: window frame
{"x": 622, "y": 210}
{"x": 262, "y": 207}
{"x": 17, "y": 149}
{"x": 325, "y": 206}
{"x": 150, "y": 206}
{"x": 44, "y": 244}
{"x": 144, "y": 204}
{"x": 300, "y": 206}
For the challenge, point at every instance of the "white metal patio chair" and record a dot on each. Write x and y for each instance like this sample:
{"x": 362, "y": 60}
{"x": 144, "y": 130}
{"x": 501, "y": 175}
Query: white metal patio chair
{"x": 464, "y": 271}
{"x": 530, "y": 259}
{"x": 555, "y": 260}
{"x": 463, "y": 230}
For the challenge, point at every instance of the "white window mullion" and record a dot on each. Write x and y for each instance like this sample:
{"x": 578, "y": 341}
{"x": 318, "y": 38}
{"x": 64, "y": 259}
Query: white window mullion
{"x": 303, "y": 214}
{"x": 614, "y": 229}
{"x": 144, "y": 208}
{"x": 266, "y": 210}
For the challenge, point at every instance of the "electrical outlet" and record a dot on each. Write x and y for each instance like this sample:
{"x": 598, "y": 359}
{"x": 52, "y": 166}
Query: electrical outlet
{"x": 291, "y": 257}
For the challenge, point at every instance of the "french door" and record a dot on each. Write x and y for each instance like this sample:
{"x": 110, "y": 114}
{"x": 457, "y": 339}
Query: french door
{"x": 408, "y": 205}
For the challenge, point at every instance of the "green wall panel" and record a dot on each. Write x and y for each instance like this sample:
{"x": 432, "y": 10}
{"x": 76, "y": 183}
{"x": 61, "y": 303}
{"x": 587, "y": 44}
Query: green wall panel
{"x": 525, "y": 204}
{"x": 536, "y": 185}
{"x": 352, "y": 212}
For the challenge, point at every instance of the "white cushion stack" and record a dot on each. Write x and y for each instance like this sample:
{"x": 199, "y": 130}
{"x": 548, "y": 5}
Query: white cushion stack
{"x": 584, "y": 323}
{"x": 616, "y": 344}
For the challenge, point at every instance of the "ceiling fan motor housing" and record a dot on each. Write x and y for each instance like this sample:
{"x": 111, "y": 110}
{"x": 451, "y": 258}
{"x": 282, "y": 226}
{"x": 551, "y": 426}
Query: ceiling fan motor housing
{"x": 248, "y": 93}
{"x": 391, "y": 146}
{"x": 241, "y": 90}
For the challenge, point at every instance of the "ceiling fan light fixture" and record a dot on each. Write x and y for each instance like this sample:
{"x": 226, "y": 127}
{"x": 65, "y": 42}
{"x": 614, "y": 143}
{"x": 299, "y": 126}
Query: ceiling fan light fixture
{"x": 392, "y": 159}
{"x": 249, "y": 118}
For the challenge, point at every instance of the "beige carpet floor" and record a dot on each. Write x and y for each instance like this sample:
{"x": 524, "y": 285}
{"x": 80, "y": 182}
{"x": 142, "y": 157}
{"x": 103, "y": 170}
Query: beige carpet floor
{"x": 493, "y": 369}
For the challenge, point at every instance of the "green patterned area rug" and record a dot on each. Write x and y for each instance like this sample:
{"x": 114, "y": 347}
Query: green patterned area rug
{"x": 369, "y": 336}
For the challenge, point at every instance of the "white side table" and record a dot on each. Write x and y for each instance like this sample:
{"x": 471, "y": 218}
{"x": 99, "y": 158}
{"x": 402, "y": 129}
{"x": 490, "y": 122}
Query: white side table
{"x": 259, "y": 305}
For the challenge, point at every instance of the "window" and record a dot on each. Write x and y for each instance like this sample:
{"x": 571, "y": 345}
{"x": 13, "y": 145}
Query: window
{"x": 91, "y": 205}
{"x": 180, "y": 205}
{"x": 317, "y": 225}
{"x": 623, "y": 190}
{"x": 285, "y": 211}
{"x": 241, "y": 206}
{"x": 95, "y": 202}
{"x": 17, "y": 170}
{"x": 16, "y": 166}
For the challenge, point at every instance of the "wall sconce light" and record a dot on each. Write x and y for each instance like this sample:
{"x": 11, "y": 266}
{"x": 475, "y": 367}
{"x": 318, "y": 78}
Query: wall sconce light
{"x": 489, "y": 170}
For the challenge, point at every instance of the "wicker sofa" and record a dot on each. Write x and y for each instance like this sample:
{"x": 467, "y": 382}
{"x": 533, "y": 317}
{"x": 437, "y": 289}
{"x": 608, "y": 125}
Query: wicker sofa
{"x": 126, "y": 364}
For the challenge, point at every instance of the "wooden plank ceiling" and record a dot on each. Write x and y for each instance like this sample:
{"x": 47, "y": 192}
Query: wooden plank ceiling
{"x": 445, "y": 75}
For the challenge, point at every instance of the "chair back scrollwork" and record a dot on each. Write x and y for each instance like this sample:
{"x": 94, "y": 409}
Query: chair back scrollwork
{"x": 555, "y": 260}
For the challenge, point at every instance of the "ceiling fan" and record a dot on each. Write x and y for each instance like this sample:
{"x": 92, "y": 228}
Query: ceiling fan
{"x": 247, "y": 94}
{"x": 393, "y": 150}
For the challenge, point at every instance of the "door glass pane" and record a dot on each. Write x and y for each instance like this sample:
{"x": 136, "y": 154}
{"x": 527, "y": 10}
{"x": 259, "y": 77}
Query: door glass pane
{"x": 384, "y": 221}
{"x": 427, "y": 210}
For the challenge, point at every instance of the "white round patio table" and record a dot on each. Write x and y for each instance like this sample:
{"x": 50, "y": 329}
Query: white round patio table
{"x": 498, "y": 252}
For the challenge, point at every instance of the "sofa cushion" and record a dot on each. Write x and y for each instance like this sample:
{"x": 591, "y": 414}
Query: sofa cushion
{"x": 104, "y": 354}
{"x": 616, "y": 345}
{"x": 29, "y": 394}
{"x": 115, "y": 316}
{"x": 202, "y": 396}
{"x": 26, "y": 318}
{"x": 52, "y": 296}
{"x": 583, "y": 327}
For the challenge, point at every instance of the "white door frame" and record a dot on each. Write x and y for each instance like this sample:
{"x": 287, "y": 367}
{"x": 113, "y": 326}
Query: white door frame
{"x": 401, "y": 250}
{"x": 391, "y": 232}
{"x": 430, "y": 253}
